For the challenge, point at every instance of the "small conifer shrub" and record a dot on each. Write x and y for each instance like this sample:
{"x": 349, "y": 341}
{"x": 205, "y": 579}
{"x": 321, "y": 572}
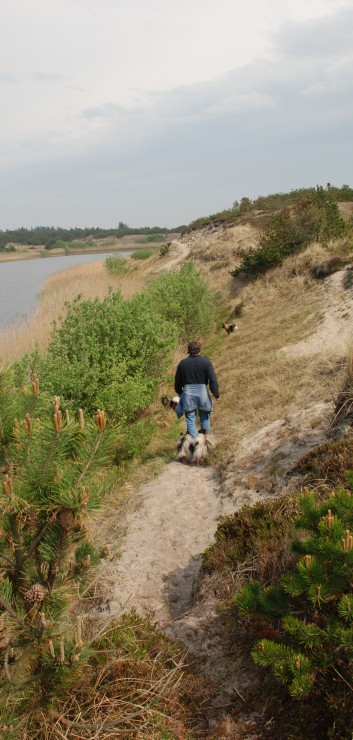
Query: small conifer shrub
{"x": 311, "y": 608}
{"x": 51, "y": 469}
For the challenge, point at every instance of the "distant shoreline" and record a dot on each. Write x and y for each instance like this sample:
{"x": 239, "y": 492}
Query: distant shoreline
{"x": 46, "y": 254}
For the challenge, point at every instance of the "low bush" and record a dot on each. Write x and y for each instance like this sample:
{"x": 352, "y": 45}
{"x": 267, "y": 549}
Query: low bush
{"x": 184, "y": 297}
{"x": 49, "y": 458}
{"x": 112, "y": 353}
{"x": 314, "y": 216}
{"x": 239, "y": 535}
{"x": 142, "y": 254}
{"x": 150, "y": 238}
{"x": 117, "y": 265}
{"x": 311, "y": 610}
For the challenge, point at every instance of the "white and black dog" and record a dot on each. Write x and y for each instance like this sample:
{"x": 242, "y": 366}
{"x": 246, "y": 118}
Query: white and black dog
{"x": 194, "y": 450}
{"x": 188, "y": 448}
{"x": 170, "y": 403}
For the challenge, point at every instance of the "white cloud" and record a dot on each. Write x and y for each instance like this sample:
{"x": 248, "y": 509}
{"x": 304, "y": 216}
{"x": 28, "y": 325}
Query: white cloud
{"x": 143, "y": 112}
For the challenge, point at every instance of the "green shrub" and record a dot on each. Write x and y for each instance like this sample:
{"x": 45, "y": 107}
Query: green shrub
{"x": 112, "y": 353}
{"x": 150, "y": 238}
{"x": 117, "y": 265}
{"x": 58, "y": 244}
{"x": 142, "y": 254}
{"x": 183, "y": 296}
{"x": 315, "y": 215}
{"x": 50, "y": 461}
{"x": 106, "y": 353}
{"x": 277, "y": 241}
{"x": 311, "y": 608}
{"x": 165, "y": 249}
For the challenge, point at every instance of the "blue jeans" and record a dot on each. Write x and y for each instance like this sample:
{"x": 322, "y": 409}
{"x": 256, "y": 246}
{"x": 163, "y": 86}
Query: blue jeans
{"x": 190, "y": 417}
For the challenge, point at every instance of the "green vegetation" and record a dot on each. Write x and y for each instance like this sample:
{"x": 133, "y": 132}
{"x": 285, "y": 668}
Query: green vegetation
{"x": 165, "y": 248}
{"x": 107, "y": 353}
{"x": 56, "y": 472}
{"x": 50, "y": 461}
{"x": 247, "y": 207}
{"x": 280, "y": 200}
{"x": 183, "y": 297}
{"x": 151, "y": 238}
{"x": 314, "y": 647}
{"x": 57, "y": 466}
{"x": 51, "y": 237}
{"x": 117, "y": 265}
{"x": 112, "y": 353}
{"x": 315, "y": 216}
{"x": 142, "y": 254}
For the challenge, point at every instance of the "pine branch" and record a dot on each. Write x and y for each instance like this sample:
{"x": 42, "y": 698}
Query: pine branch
{"x": 6, "y": 664}
{"x": 48, "y": 459}
{"x": 7, "y": 559}
{"x": 10, "y": 610}
{"x": 35, "y": 542}
{"x": 90, "y": 460}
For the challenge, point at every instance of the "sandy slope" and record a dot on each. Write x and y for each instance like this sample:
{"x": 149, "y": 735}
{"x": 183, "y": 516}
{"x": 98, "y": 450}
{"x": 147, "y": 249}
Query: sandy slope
{"x": 334, "y": 335}
{"x": 174, "y": 517}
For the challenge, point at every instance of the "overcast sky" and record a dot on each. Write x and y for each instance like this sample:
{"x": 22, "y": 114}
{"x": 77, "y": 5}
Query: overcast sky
{"x": 156, "y": 112}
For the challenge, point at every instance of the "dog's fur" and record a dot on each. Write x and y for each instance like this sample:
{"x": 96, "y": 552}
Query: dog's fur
{"x": 230, "y": 328}
{"x": 190, "y": 449}
{"x": 194, "y": 450}
{"x": 170, "y": 403}
{"x": 184, "y": 447}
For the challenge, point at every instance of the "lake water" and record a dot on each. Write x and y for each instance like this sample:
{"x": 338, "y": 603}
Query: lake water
{"x": 22, "y": 280}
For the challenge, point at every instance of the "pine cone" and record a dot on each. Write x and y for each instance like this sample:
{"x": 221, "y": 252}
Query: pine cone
{"x": 37, "y": 592}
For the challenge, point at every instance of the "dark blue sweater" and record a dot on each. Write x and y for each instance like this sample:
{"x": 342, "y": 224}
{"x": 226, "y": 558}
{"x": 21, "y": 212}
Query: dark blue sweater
{"x": 196, "y": 369}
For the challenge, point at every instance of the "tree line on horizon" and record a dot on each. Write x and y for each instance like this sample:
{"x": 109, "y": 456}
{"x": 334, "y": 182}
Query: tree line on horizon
{"x": 49, "y": 236}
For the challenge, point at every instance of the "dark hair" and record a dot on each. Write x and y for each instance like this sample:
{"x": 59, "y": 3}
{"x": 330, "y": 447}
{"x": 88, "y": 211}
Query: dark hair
{"x": 194, "y": 347}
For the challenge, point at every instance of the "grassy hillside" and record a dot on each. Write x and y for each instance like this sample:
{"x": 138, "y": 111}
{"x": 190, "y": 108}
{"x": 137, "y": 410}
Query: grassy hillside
{"x": 266, "y": 379}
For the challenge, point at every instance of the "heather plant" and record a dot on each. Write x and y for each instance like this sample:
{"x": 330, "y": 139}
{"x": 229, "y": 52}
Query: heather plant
{"x": 52, "y": 462}
{"x": 311, "y": 608}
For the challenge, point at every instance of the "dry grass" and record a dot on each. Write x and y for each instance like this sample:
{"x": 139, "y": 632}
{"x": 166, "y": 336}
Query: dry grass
{"x": 258, "y": 383}
{"x": 90, "y": 280}
{"x": 133, "y": 687}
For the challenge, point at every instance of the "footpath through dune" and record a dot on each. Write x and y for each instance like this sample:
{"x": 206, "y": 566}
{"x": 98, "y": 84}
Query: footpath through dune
{"x": 174, "y": 520}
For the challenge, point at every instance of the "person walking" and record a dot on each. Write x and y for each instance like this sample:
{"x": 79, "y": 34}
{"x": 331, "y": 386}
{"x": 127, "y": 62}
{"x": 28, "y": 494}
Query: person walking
{"x": 194, "y": 377}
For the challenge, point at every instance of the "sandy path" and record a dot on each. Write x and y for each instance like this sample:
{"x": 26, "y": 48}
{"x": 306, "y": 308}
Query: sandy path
{"x": 175, "y": 516}
{"x": 174, "y": 522}
{"x": 335, "y": 333}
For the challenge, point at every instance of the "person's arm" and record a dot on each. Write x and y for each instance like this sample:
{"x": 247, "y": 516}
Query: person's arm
{"x": 213, "y": 382}
{"x": 178, "y": 385}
